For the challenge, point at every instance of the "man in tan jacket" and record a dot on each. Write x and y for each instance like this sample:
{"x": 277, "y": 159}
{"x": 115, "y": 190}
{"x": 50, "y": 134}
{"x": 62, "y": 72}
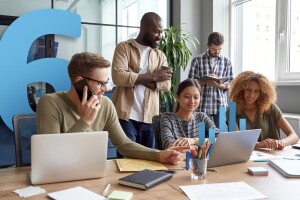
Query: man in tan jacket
{"x": 137, "y": 74}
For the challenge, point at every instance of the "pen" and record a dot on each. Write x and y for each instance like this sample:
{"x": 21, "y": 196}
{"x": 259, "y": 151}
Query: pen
{"x": 104, "y": 193}
{"x": 212, "y": 170}
{"x": 260, "y": 160}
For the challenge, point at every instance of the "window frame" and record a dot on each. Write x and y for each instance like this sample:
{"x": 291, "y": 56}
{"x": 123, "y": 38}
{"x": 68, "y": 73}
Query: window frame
{"x": 282, "y": 43}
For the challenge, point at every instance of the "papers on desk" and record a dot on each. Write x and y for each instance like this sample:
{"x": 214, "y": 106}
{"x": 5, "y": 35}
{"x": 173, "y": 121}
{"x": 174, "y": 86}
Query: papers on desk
{"x": 135, "y": 165}
{"x": 261, "y": 156}
{"x": 220, "y": 191}
{"x": 76, "y": 193}
{"x": 29, "y": 191}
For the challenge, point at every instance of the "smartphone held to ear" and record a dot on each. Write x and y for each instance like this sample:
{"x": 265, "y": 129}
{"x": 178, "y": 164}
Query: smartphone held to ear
{"x": 79, "y": 86}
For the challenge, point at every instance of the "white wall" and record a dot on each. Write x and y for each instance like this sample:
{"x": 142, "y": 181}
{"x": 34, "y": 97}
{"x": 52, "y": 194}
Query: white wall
{"x": 203, "y": 17}
{"x": 187, "y": 14}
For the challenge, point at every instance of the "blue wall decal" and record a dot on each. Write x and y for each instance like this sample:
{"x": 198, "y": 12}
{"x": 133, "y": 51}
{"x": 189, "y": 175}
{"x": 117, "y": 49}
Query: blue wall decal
{"x": 16, "y": 73}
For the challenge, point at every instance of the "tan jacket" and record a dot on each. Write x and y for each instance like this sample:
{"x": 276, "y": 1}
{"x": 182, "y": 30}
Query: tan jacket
{"x": 125, "y": 70}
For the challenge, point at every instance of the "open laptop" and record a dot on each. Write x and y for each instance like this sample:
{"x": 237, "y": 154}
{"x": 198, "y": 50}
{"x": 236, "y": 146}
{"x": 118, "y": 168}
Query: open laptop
{"x": 233, "y": 147}
{"x": 68, "y": 156}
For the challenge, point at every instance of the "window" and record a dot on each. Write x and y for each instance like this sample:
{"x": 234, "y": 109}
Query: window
{"x": 268, "y": 44}
{"x": 106, "y": 23}
{"x": 254, "y": 36}
{"x": 295, "y": 37}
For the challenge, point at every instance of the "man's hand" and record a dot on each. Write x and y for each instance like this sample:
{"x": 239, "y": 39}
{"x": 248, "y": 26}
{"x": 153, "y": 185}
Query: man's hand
{"x": 172, "y": 155}
{"x": 150, "y": 85}
{"x": 161, "y": 75}
{"x": 88, "y": 109}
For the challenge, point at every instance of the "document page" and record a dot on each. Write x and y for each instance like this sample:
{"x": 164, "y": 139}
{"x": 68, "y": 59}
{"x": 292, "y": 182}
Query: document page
{"x": 258, "y": 155}
{"x": 134, "y": 165}
{"x": 222, "y": 191}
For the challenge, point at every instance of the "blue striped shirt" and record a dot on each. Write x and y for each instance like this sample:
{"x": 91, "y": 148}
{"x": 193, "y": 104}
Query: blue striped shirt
{"x": 172, "y": 127}
{"x": 211, "y": 97}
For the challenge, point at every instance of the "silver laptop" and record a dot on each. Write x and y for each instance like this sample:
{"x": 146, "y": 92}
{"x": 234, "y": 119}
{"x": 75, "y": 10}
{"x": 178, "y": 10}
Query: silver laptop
{"x": 233, "y": 147}
{"x": 68, "y": 156}
{"x": 288, "y": 168}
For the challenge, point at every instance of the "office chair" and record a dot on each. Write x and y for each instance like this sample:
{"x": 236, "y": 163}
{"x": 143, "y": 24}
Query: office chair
{"x": 156, "y": 130}
{"x": 24, "y": 127}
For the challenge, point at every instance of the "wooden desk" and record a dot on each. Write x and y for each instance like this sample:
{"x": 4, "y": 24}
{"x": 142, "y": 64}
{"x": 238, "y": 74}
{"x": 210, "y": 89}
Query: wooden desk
{"x": 274, "y": 186}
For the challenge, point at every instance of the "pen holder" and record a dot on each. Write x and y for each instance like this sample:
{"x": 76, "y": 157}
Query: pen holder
{"x": 199, "y": 168}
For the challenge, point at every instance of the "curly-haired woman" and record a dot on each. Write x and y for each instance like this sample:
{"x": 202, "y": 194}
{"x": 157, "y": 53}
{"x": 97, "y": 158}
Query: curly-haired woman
{"x": 255, "y": 98}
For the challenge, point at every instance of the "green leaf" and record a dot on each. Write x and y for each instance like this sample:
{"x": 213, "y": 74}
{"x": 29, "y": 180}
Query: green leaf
{"x": 174, "y": 46}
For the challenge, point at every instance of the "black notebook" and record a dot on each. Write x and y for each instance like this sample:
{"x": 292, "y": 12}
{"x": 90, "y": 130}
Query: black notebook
{"x": 145, "y": 179}
{"x": 218, "y": 79}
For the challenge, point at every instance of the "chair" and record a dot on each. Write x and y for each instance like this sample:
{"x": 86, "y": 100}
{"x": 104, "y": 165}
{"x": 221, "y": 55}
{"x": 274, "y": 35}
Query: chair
{"x": 156, "y": 130}
{"x": 24, "y": 127}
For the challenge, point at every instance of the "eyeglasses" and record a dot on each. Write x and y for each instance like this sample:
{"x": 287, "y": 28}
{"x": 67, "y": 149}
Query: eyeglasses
{"x": 100, "y": 83}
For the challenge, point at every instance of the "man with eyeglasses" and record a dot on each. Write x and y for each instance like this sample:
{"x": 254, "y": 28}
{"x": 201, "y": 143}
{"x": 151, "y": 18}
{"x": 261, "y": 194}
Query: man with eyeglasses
{"x": 65, "y": 112}
{"x": 137, "y": 74}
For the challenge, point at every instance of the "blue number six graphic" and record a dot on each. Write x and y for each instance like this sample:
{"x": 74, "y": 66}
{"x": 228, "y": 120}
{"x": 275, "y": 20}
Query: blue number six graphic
{"x": 16, "y": 73}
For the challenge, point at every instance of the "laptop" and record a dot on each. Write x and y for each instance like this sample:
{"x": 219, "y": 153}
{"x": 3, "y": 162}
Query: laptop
{"x": 233, "y": 147}
{"x": 68, "y": 156}
{"x": 288, "y": 168}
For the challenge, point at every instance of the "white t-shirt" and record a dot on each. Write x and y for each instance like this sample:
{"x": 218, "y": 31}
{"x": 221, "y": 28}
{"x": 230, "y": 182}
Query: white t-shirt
{"x": 213, "y": 62}
{"x": 137, "y": 109}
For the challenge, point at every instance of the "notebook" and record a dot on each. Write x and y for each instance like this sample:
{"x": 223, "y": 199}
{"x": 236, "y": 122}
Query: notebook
{"x": 145, "y": 179}
{"x": 233, "y": 147}
{"x": 68, "y": 156}
{"x": 288, "y": 168}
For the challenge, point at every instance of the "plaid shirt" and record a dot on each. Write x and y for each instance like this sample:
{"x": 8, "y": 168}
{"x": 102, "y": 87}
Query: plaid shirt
{"x": 211, "y": 97}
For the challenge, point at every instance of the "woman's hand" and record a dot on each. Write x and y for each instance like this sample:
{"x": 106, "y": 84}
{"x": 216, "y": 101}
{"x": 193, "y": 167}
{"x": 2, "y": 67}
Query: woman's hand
{"x": 271, "y": 144}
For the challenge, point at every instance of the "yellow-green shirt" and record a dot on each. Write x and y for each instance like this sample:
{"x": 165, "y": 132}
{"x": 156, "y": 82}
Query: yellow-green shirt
{"x": 268, "y": 123}
{"x": 56, "y": 113}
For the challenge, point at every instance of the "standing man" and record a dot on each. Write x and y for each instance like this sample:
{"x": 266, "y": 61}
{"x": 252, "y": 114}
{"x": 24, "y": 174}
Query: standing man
{"x": 214, "y": 94}
{"x": 138, "y": 78}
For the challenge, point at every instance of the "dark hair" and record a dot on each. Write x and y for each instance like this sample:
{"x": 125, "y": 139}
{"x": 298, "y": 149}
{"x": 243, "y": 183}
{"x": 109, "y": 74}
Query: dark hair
{"x": 184, "y": 84}
{"x": 215, "y": 38}
{"x": 82, "y": 64}
{"x": 150, "y": 17}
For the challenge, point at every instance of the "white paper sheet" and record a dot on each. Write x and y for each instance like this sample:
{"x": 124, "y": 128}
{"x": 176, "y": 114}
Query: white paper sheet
{"x": 76, "y": 193}
{"x": 258, "y": 155}
{"x": 222, "y": 191}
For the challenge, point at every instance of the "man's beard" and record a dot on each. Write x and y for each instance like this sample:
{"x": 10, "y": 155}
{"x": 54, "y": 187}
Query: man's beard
{"x": 213, "y": 55}
{"x": 149, "y": 43}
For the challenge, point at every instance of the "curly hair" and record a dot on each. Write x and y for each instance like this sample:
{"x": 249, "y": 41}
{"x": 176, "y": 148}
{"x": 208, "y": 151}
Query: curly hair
{"x": 240, "y": 83}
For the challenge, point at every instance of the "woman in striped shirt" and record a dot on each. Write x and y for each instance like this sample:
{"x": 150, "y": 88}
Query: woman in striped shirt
{"x": 181, "y": 127}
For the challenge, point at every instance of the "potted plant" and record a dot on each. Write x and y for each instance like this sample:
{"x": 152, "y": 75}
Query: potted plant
{"x": 174, "y": 46}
